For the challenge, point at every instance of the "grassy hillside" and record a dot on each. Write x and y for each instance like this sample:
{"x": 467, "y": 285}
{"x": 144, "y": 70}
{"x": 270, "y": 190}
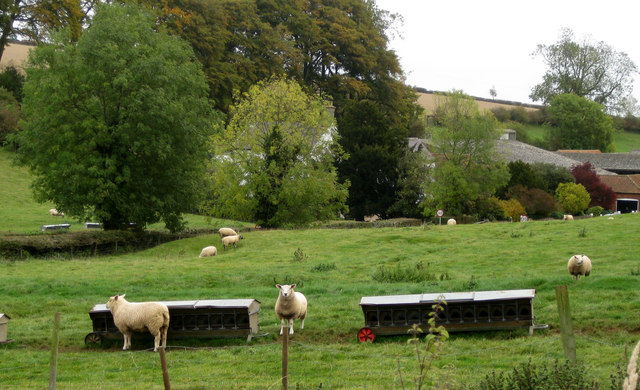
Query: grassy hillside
{"x": 623, "y": 141}
{"x": 337, "y": 267}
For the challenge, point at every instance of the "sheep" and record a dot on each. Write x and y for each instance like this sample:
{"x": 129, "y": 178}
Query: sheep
{"x": 451, "y": 222}
{"x": 579, "y": 265}
{"x": 209, "y": 251}
{"x": 567, "y": 217}
{"x": 228, "y": 240}
{"x": 224, "y": 232}
{"x": 290, "y": 306}
{"x": 56, "y": 213}
{"x": 132, "y": 317}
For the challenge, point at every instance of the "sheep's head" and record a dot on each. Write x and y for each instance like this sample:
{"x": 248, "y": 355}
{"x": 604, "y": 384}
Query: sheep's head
{"x": 579, "y": 259}
{"x": 113, "y": 299}
{"x": 286, "y": 290}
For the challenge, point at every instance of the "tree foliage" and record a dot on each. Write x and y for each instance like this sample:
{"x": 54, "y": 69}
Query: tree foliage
{"x": 521, "y": 174}
{"x": 10, "y": 115}
{"x": 274, "y": 161}
{"x": 117, "y": 123}
{"x": 467, "y": 166}
{"x": 536, "y": 202}
{"x": 591, "y": 70}
{"x": 573, "y": 197}
{"x": 578, "y": 123}
{"x": 552, "y": 175}
{"x": 601, "y": 194}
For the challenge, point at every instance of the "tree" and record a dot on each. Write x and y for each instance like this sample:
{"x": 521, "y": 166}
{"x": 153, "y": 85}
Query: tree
{"x": 573, "y": 197}
{"x": 552, "y": 175}
{"x": 521, "y": 174}
{"x": 601, "y": 194}
{"x": 593, "y": 71}
{"x": 274, "y": 161}
{"x": 578, "y": 123}
{"x": 467, "y": 166}
{"x": 117, "y": 123}
{"x": 10, "y": 115}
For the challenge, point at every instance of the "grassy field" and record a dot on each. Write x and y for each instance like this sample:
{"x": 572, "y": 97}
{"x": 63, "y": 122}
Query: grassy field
{"x": 338, "y": 268}
{"x": 623, "y": 141}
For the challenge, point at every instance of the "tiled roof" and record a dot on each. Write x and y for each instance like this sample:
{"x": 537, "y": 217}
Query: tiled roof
{"x": 617, "y": 162}
{"x": 622, "y": 184}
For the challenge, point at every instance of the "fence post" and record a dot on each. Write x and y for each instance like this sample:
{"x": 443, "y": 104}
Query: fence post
{"x": 53, "y": 364}
{"x": 285, "y": 357}
{"x": 566, "y": 327}
{"x": 165, "y": 372}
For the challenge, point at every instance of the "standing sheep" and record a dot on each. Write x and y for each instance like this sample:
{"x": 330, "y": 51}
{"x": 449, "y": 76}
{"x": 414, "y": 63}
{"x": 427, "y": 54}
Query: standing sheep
{"x": 228, "y": 240}
{"x": 451, "y": 222}
{"x": 579, "y": 265}
{"x": 224, "y": 232}
{"x": 567, "y": 217}
{"x": 290, "y": 306}
{"x": 208, "y": 251}
{"x": 132, "y": 317}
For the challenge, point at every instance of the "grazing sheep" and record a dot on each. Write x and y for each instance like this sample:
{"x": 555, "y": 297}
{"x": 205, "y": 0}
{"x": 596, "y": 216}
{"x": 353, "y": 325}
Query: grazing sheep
{"x": 567, "y": 217}
{"x": 451, "y": 222}
{"x": 290, "y": 306}
{"x": 56, "y": 213}
{"x": 224, "y": 232}
{"x": 209, "y": 251}
{"x": 579, "y": 265}
{"x": 132, "y": 317}
{"x": 228, "y": 240}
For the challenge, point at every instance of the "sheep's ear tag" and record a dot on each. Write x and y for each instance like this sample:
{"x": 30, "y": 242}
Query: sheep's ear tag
{"x": 116, "y": 298}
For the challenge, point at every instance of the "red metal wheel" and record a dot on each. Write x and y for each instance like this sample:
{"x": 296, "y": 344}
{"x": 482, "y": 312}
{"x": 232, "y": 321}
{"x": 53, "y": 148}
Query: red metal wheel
{"x": 366, "y": 335}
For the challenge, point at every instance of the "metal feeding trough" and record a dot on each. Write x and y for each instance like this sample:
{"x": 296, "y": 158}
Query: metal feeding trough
{"x": 464, "y": 311}
{"x": 190, "y": 319}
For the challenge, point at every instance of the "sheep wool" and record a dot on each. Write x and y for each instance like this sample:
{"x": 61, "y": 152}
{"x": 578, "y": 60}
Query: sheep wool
{"x": 451, "y": 222}
{"x": 132, "y": 317}
{"x": 579, "y": 265}
{"x": 56, "y": 213}
{"x": 228, "y": 240}
{"x": 567, "y": 217}
{"x": 291, "y": 305}
{"x": 209, "y": 251}
{"x": 224, "y": 232}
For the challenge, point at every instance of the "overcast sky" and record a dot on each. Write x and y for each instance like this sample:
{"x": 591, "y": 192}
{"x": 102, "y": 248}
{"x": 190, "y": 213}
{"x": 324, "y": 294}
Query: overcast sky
{"x": 476, "y": 45}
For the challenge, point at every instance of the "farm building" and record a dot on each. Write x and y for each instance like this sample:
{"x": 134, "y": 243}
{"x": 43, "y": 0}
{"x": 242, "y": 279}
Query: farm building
{"x": 618, "y": 163}
{"x": 627, "y": 189}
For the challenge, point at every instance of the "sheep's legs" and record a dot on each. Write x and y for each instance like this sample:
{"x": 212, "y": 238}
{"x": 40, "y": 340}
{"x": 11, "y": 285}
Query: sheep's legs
{"x": 302, "y": 323}
{"x": 291, "y": 326}
{"x": 127, "y": 342}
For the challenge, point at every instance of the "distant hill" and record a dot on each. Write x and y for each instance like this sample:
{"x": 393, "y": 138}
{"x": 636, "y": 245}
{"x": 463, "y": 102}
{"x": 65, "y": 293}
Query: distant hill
{"x": 429, "y": 100}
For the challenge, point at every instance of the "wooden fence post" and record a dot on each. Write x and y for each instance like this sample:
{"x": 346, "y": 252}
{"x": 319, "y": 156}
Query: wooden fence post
{"x": 566, "y": 327}
{"x": 285, "y": 357}
{"x": 165, "y": 372}
{"x": 53, "y": 364}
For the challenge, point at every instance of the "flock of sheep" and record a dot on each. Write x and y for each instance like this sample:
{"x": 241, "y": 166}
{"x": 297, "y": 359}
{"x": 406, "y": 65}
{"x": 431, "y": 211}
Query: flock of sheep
{"x": 291, "y": 305}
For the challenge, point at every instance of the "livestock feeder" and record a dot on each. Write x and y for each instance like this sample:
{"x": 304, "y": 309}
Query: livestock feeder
{"x": 189, "y": 319}
{"x": 464, "y": 311}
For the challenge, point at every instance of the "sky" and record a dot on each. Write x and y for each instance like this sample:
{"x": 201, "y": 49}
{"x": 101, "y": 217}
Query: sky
{"x": 474, "y": 46}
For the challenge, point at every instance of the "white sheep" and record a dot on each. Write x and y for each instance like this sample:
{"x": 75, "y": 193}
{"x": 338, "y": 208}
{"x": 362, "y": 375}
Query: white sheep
{"x": 132, "y": 317}
{"x": 451, "y": 222}
{"x": 56, "y": 213}
{"x": 567, "y": 217}
{"x": 224, "y": 232}
{"x": 209, "y": 251}
{"x": 579, "y": 265}
{"x": 290, "y": 306}
{"x": 228, "y": 240}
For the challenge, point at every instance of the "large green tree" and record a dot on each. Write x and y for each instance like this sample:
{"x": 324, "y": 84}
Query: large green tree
{"x": 579, "y": 123}
{"x": 274, "y": 162}
{"x": 117, "y": 122}
{"x": 467, "y": 165}
{"x": 592, "y": 70}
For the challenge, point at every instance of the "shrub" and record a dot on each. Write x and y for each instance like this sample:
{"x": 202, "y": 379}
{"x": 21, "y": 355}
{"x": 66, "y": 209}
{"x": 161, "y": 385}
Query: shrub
{"x": 415, "y": 274}
{"x": 552, "y": 175}
{"x": 12, "y": 80}
{"x": 535, "y": 201}
{"x": 10, "y": 114}
{"x": 600, "y": 193}
{"x": 595, "y": 210}
{"x": 512, "y": 208}
{"x": 573, "y": 197}
{"x": 489, "y": 208}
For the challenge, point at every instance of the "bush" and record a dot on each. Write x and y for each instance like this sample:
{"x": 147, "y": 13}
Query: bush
{"x": 10, "y": 115}
{"x": 12, "y": 80}
{"x": 595, "y": 210}
{"x": 552, "y": 175}
{"x": 535, "y": 201}
{"x": 512, "y": 208}
{"x": 573, "y": 198}
{"x": 600, "y": 193}
{"x": 558, "y": 376}
{"x": 490, "y": 208}
{"x": 413, "y": 274}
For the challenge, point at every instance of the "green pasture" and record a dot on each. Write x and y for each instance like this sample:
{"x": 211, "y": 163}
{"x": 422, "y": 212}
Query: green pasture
{"x": 334, "y": 268}
{"x": 623, "y": 141}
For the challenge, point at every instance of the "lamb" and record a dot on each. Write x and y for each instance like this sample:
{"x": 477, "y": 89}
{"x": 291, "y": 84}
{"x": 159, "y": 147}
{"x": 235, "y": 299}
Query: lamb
{"x": 579, "y": 265}
{"x": 451, "y": 222}
{"x": 228, "y": 240}
{"x": 224, "y": 232}
{"x": 209, "y": 251}
{"x": 567, "y": 217}
{"x": 132, "y": 317}
{"x": 56, "y": 213}
{"x": 290, "y": 306}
